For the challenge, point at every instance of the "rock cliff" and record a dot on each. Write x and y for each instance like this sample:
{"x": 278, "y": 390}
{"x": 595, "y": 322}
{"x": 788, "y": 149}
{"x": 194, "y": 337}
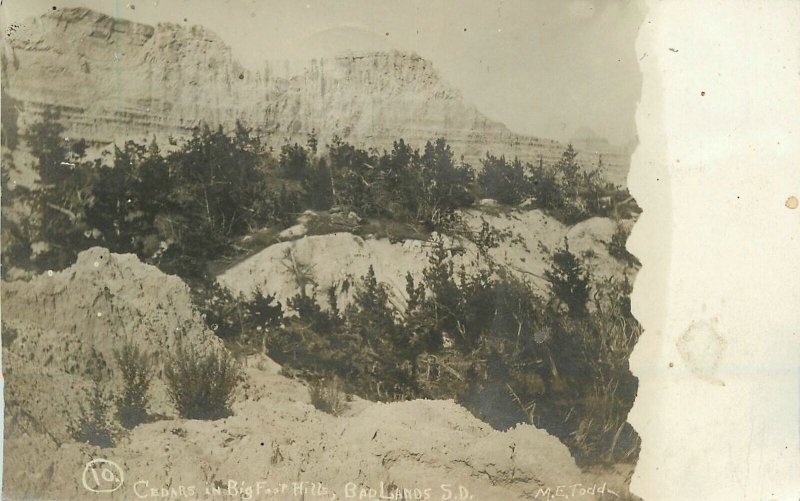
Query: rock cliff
{"x": 113, "y": 79}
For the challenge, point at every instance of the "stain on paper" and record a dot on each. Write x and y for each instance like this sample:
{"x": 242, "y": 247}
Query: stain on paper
{"x": 701, "y": 348}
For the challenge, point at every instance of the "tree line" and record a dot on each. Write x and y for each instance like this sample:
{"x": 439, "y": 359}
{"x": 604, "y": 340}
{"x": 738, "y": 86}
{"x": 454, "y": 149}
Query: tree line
{"x": 181, "y": 209}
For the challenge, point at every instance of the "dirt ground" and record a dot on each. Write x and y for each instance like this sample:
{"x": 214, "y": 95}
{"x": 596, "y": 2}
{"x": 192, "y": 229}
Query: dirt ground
{"x": 276, "y": 445}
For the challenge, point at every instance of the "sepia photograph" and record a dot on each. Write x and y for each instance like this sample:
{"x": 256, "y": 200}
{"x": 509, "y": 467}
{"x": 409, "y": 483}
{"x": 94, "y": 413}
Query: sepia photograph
{"x": 318, "y": 250}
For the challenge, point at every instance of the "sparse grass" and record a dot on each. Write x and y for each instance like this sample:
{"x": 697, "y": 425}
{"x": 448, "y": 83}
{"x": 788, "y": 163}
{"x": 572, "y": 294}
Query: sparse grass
{"x": 529, "y": 408}
{"x": 327, "y": 395}
{"x": 302, "y": 272}
{"x": 601, "y": 434}
{"x": 201, "y": 385}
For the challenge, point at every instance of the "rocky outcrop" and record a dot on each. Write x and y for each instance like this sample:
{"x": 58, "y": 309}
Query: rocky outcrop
{"x": 113, "y": 79}
{"x": 60, "y": 325}
{"x": 96, "y": 304}
{"x": 339, "y": 260}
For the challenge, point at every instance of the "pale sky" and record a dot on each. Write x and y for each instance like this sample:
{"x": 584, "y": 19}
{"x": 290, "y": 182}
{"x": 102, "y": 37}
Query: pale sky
{"x": 542, "y": 67}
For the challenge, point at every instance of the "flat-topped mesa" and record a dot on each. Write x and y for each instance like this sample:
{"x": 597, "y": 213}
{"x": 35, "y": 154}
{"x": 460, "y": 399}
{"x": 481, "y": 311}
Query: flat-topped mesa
{"x": 113, "y": 79}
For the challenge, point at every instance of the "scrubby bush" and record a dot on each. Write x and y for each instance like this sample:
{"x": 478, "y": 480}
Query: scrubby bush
{"x": 201, "y": 385}
{"x": 312, "y": 315}
{"x": 93, "y": 424}
{"x": 446, "y": 184}
{"x": 318, "y": 186}
{"x": 607, "y": 337}
{"x": 294, "y": 162}
{"x": 364, "y": 346}
{"x": 572, "y": 192}
{"x": 55, "y": 226}
{"x": 327, "y": 395}
{"x": 235, "y": 317}
{"x": 218, "y": 307}
{"x": 420, "y": 188}
{"x": 617, "y": 246}
{"x": 503, "y": 181}
{"x": 134, "y": 366}
{"x": 370, "y": 316}
{"x": 569, "y": 280}
{"x": 263, "y": 310}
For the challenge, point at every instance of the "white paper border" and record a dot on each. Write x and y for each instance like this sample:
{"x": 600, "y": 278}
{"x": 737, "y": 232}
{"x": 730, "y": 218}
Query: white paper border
{"x": 719, "y": 291}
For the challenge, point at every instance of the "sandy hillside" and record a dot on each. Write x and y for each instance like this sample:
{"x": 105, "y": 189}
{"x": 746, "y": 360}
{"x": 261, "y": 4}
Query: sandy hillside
{"x": 275, "y": 436}
{"x": 54, "y": 325}
{"x": 323, "y": 261}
